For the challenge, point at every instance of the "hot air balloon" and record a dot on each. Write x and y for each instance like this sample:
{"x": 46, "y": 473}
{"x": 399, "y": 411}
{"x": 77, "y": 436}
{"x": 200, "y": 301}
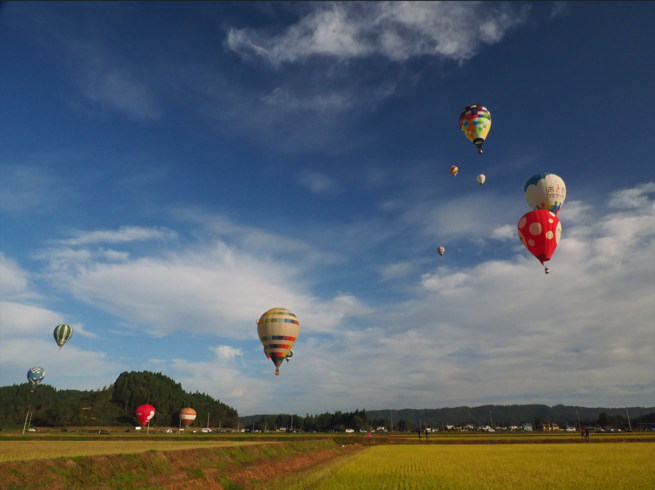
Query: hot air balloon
{"x": 35, "y": 375}
{"x": 63, "y": 334}
{"x": 454, "y": 170}
{"x": 475, "y": 121}
{"x": 481, "y": 179}
{"x": 144, "y": 413}
{"x": 540, "y": 231}
{"x": 545, "y": 191}
{"x": 187, "y": 415}
{"x": 441, "y": 250}
{"x": 278, "y": 330}
{"x": 289, "y": 355}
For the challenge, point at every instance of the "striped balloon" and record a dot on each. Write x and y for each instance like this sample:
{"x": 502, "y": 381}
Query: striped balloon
{"x": 453, "y": 171}
{"x": 63, "y": 334}
{"x": 35, "y": 375}
{"x": 278, "y": 330}
{"x": 187, "y": 415}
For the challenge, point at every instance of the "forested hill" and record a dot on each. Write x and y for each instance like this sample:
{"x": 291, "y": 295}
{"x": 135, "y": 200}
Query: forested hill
{"x": 439, "y": 417}
{"x": 115, "y": 404}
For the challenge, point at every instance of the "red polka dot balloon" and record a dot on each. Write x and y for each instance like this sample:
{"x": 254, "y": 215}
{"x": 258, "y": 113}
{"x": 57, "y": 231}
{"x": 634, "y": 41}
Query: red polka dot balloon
{"x": 540, "y": 231}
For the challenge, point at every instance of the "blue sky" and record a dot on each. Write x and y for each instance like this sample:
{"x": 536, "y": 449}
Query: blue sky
{"x": 170, "y": 171}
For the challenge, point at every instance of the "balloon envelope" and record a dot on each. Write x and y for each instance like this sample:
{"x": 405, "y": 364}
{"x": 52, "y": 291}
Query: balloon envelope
{"x": 454, "y": 170}
{"x": 278, "y": 330}
{"x": 475, "y": 121}
{"x": 545, "y": 191}
{"x": 144, "y": 413}
{"x": 481, "y": 179}
{"x": 187, "y": 415}
{"x": 35, "y": 375}
{"x": 540, "y": 231}
{"x": 441, "y": 250}
{"x": 62, "y": 334}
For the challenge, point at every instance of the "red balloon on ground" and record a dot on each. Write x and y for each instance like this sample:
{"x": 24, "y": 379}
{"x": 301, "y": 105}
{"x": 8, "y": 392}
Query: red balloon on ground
{"x": 144, "y": 413}
{"x": 540, "y": 231}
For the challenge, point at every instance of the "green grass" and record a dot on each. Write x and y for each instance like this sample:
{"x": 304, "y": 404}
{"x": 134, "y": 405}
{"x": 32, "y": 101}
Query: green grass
{"x": 611, "y": 466}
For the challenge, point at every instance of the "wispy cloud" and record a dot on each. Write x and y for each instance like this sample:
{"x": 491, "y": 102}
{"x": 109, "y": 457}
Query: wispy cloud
{"x": 632, "y": 198}
{"x": 394, "y": 30}
{"x": 318, "y": 183}
{"x": 123, "y": 235}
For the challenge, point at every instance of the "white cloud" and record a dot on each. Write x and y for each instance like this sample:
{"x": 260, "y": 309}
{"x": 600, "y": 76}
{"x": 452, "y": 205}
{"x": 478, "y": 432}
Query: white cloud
{"x": 395, "y": 270}
{"x": 560, "y": 9}
{"x": 317, "y": 182}
{"x": 122, "y": 235}
{"x": 14, "y": 281}
{"x": 632, "y": 198}
{"x": 226, "y": 351}
{"x": 507, "y": 232}
{"x": 25, "y": 187}
{"x": 394, "y": 30}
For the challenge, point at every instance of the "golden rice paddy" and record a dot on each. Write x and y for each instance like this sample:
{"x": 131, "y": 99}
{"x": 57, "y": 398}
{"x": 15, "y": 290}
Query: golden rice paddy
{"x": 615, "y": 466}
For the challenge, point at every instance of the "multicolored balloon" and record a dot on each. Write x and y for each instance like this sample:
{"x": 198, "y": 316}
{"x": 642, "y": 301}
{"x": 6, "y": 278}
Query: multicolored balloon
{"x": 475, "y": 121}
{"x": 545, "y": 191}
{"x": 187, "y": 415}
{"x": 540, "y": 231}
{"x": 481, "y": 179}
{"x": 454, "y": 170}
{"x": 62, "y": 334}
{"x": 441, "y": 250}
{"x": 144, "y": 413}
{"x": 278, "y": 330}
{"x": 35, "y": 375}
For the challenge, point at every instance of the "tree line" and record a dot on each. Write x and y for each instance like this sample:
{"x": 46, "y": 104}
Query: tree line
{"x": 113, "y": 405}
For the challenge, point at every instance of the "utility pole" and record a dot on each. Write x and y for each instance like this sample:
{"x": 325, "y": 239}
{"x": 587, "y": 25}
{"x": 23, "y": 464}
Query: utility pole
{"x": 629, "y": 423}
{"x": 578, "y": 416}
{"x": 391, "y": 415}
{"x": 100, "y": 428}
{"x": 208, "y": 421}
{"x": 291, "y": 422}
{"x": 492, "y": 419}
{"x": 253, "y": 427}
{"x": 25, "y": 424}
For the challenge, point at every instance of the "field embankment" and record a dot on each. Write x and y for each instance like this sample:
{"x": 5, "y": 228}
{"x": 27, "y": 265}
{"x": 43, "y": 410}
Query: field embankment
{"x": 231, "y": 468}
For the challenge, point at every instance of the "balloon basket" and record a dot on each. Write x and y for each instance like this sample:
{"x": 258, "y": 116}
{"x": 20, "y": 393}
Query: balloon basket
{"x": 277, "y": 372}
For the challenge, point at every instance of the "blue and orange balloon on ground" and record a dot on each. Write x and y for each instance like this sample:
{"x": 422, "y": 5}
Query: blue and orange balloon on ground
{"x": 475, "y": 121}
{"x": 278, "y": 330}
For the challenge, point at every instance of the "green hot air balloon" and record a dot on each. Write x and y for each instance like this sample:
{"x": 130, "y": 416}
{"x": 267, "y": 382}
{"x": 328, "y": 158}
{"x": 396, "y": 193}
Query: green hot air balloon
{"x": 63, "y": 334}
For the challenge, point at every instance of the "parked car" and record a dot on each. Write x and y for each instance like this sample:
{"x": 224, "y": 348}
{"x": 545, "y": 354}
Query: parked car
{"x": 168, "y": 431}
{"x": 205, "y": 430}
{"x": 31, "y": 429}
{"x": 137, "y": 428}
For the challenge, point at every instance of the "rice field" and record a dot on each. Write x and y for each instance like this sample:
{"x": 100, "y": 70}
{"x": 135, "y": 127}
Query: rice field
{"x": 26, "y": 450}
{"x": 614, "y": 466}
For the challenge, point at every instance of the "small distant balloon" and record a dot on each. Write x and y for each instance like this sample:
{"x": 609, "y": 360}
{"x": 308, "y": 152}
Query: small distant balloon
{"x": 453, "y": 171}
{"x": 35, "y": 375}
{"x": 481, "y": 179}
{"x": 545, "y": 191}
{"x": 441, "y": 250}
{"x": 62, "y": 334}
{"x": 144, "y": 413}
{"x": 289, "y": 355}
{"x": 187, "y": 415}
{"x": 475, "y": 121}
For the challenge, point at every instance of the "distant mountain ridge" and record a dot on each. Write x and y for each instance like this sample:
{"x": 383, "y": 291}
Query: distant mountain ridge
{"x": 501, "y": 415}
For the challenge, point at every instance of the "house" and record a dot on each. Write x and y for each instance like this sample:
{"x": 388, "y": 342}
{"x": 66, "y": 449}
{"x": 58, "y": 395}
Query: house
{"x": 526, "y": 427}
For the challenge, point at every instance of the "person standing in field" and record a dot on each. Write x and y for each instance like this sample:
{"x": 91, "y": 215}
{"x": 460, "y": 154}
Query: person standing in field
{"x": 426, "y": 434}
{"x": 582, "y": 432}
{"x": 586, "y": 434}
{"x": 419, "y": 434}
